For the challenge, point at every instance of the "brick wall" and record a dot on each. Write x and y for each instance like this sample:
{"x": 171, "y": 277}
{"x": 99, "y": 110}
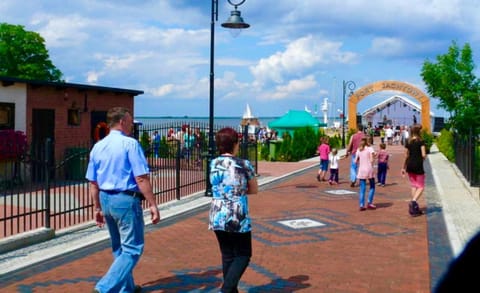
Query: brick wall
{"x": 62, "y": 99}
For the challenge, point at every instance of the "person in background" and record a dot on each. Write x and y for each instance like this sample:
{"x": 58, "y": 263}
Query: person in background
{"x": 352, "y": 150}
{"x": 232, "y": 178}
{"x": 188, "y": 144}
{"x": 156, "y": 143}
{"x": 415, "y": 154}
{"x": 382, "y": 135}
{"x": 333, "y": 159}
{"x": 171, "y": 134}
{"x": 198, "y": 147}
{"x": 405, "y": 135}
{"x": 389, "y": 133}
{"x": 371, "y": 135}
{"x": 323, "y": 150}
{"x": 118, "y": 178}
{"x": 365, "y": 158}
{"x": 382, "y": 167}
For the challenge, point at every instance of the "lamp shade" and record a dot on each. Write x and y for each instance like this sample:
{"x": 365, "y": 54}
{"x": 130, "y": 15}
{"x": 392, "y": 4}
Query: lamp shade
{"x": 235, "y": 21}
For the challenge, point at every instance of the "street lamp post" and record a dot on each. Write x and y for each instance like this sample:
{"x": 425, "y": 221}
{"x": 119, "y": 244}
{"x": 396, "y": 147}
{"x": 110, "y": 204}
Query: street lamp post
{"x": 351, "y": 86}
{"x": 235, "y": 21}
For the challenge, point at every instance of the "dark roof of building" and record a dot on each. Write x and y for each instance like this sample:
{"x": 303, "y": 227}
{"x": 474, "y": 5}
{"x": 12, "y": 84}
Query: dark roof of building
{"x": 12, "y": 80}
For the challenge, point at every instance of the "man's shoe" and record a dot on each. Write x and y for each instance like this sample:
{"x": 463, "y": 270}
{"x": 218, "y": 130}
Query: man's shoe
{"x": 352, "y": 184}
{"x": 362, "y": 209}
{"x": 371, "y": 206}
{"x": 318, "y": 178}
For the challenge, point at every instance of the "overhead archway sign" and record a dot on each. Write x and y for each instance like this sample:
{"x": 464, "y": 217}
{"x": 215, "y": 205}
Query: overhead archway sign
{"x": 389, "y": 85}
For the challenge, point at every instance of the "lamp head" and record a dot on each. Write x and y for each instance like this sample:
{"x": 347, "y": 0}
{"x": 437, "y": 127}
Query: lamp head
{"x": 235, "y": 21}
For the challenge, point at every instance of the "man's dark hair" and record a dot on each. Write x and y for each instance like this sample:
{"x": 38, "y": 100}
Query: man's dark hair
{"x": 115, "y": 114}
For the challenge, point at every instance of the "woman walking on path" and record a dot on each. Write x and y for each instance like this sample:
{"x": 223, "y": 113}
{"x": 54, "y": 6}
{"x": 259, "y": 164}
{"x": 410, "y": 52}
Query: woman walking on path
{"x": 365, "y": 158}
{"x": 323, "y": 150}
{"x": 415, "y": 154}
{"x": 232, "y": 179}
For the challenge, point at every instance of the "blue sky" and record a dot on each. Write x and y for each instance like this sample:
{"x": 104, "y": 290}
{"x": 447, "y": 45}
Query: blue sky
{"x": 294, "y": 55}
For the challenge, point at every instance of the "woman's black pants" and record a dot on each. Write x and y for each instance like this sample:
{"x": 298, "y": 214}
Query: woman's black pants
{"x": 236, "y": 249}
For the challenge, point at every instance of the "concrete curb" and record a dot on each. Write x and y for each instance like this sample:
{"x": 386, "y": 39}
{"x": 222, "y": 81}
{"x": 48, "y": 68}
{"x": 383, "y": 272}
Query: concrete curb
{"x": 460, "y": 205}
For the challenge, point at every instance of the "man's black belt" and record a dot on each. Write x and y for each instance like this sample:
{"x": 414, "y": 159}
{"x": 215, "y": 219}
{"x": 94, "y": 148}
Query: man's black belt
{"x": 127, "y": 192}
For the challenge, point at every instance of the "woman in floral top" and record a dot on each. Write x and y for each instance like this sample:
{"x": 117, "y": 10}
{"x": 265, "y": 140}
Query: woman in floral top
{"x": 232, "y": 179}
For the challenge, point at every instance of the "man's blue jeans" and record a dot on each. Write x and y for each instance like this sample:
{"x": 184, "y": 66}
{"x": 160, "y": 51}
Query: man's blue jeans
{"x": 353, "y": 169}
{"x": 124, "y": 217}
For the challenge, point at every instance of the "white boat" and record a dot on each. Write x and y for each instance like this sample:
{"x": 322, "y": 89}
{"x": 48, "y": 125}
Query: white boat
{"x": 250, "y": 120}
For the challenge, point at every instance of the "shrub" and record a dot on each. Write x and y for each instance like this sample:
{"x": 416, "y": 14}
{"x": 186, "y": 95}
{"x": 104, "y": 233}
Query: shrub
{"x": 428, "y": 139}
{"x": 304, "y": 143}
{"x": 335, "y": 142}
{"x": 284, "y": 153}
{"x": 264, "y": 152}
{"x": 445, "y": 144}
{"x": 145, "y": 143}
{"x": 13, "y": 144}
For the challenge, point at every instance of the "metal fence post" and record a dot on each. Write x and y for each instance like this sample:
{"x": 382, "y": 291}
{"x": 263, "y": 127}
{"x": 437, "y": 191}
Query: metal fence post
{"x": 245, "y": 142}
{"x": 47, "y": 162}
{"x": 177, "y": 169}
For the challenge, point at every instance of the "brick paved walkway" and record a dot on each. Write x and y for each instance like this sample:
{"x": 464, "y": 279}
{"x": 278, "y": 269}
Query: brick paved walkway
{"x": 308, "y": 237}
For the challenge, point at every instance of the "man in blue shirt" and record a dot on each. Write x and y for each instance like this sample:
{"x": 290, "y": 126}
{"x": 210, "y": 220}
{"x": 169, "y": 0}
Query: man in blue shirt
{"x": 119, "y": 179}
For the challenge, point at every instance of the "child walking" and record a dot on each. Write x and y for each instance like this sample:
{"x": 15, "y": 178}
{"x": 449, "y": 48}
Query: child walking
{"x": 365, "y": 158}
{"x": 333, "y": 158}
{"x": 382, "y": 157}
{"x": 323, "y": 150}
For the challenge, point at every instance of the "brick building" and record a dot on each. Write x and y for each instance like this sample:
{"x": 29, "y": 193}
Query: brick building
{"x": 70, "y": 114}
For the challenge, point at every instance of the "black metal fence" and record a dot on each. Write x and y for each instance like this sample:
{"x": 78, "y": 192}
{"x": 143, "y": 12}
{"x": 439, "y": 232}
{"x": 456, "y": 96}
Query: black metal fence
{"x": 467, "y": 158}
{"x": 36, "y": 191}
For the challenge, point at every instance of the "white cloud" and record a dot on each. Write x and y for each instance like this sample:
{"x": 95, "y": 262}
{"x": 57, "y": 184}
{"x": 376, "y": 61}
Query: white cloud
{"x": 162, "y": 47}
{"x": 163, "y": 90}
{"x": 61, "y": 31}
{"x": 116, "y": 63}
{"x": 291, "y": 89}
{"x": 298, "y": 85}
{"x": 300, "y": 56}
{"x": 92, "y": 76}
{"x": 387, "y": 46}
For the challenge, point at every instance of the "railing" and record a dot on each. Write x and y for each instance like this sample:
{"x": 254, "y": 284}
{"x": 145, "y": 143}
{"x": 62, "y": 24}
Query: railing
{"x": 35, "y": 191}
{"x": 468, "y": 158}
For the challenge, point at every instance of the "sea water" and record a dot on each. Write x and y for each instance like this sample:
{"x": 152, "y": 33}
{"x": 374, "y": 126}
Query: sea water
{"x": 233, "y": 122}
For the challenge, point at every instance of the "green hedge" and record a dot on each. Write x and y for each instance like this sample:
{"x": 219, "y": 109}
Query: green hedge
{"x": 445, "y": 144}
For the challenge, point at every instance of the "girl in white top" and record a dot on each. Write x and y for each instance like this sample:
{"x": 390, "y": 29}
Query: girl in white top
{"x": 333, "y": 158}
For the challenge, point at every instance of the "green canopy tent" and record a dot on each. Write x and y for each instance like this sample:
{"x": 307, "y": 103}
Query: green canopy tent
{"x": 294, "y": 119}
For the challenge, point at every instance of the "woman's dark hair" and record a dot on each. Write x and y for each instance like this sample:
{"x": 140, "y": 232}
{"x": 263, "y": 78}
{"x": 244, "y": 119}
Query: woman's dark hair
{"x": 226, "y": 139}
{"x": 415, "y": 132}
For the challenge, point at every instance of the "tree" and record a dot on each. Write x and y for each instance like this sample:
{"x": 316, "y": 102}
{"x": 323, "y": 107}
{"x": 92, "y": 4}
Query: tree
{"x": 23, "y": 55}
{"x": 452, "y": 81}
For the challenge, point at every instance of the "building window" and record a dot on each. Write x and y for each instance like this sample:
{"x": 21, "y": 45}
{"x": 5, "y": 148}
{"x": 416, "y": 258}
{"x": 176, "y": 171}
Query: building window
{"x": 74, "y": 117}
{"x": 7, "y": 116}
